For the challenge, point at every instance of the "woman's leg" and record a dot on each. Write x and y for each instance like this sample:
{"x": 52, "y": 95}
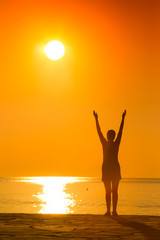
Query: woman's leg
{"x": 107, "y": 185}
{"x": 115, "y": 184}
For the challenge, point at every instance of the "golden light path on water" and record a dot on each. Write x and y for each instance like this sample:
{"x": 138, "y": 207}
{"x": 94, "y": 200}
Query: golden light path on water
{"x": 53, "y": 197}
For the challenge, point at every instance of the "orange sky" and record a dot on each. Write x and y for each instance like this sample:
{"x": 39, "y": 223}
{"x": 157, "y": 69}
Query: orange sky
{"x": 111, "y": 63}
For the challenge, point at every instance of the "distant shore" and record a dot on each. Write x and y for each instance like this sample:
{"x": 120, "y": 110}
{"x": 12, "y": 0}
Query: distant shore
{"x": 74, "y": 226}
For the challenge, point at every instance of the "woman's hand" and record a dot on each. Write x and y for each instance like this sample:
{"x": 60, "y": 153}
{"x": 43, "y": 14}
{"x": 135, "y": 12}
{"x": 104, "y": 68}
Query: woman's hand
{"x": 95, "y": 115}
{"x": 124, "y": 114}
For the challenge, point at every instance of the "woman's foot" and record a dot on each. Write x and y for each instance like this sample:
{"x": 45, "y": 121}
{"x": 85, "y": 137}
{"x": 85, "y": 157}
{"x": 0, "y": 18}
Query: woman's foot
{"x": 114, "y": 213}
{"x": 107, "y": 214}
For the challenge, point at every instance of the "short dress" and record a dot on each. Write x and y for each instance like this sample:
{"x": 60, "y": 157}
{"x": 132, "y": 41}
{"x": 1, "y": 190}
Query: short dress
{"x": 110, "y": 168}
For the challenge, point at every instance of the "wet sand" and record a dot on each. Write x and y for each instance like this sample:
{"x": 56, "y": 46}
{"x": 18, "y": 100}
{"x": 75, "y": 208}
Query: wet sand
{"x": 52, "y": 226}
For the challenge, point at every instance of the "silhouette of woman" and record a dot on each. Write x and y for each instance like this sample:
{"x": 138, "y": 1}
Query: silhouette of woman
{"x": 111, "y": 173}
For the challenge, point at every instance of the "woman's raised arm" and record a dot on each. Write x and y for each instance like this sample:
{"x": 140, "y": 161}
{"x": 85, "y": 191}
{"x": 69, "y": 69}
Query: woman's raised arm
{"x": 119, "y": 136}
{"x": 100, "y": 134}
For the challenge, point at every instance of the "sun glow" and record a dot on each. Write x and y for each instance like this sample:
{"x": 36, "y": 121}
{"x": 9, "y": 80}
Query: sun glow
{"x": 54, "y": 50}
{"x": 53, "y": 197}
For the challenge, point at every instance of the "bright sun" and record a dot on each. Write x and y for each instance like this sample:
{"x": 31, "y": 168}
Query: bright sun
{"x": 54, "y": 50}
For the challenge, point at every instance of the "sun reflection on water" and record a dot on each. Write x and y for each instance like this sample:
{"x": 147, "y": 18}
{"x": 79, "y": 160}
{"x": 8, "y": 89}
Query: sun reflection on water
{"x": 53, "y": 197}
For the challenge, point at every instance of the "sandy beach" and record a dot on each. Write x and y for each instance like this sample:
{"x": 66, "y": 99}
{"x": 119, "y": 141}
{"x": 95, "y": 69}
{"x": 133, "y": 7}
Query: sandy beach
{"x": 51, "y": 226}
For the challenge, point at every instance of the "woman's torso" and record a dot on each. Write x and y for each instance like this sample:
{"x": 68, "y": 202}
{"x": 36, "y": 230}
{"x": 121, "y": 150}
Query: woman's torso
{"x": 110, "y": 153}
{"x": 110, "y": 166}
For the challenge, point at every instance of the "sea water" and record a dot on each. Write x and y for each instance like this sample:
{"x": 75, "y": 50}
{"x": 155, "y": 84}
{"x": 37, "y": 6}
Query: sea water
{"x": 77, "y": 195}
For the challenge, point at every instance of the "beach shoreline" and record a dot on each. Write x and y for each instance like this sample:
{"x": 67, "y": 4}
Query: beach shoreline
{"x": 78, "y": 226}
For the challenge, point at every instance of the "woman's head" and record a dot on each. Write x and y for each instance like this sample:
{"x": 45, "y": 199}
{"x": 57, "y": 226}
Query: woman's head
{"x": 111, "y": 135}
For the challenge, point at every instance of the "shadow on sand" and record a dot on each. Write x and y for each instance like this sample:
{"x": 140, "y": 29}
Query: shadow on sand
{"x": 149, "y": 232}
